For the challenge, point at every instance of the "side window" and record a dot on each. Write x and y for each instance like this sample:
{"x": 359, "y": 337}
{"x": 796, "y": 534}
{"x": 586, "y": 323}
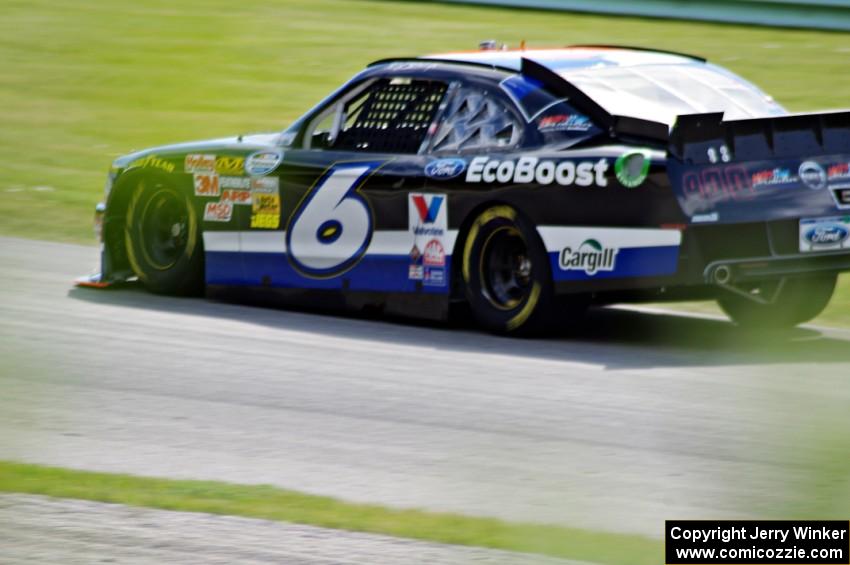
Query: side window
{"x": 554, "y": 119}
{"x": 475, "y": 120}
{"x": 386, "y": 115}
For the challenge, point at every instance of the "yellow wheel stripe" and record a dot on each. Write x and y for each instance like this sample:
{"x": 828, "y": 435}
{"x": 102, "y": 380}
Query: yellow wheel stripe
{"x": 128, "y": 238}
{"x": 489, "y": 214}
{"x": 526, "y": 311}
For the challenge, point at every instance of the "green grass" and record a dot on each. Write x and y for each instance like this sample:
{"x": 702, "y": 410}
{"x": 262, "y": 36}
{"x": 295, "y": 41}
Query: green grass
{"x": 276, "y": 504}
{"x": 85, "y": 81}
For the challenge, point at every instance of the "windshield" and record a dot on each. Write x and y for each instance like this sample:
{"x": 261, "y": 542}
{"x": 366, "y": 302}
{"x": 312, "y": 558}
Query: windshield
{"x": 660, "y": 92}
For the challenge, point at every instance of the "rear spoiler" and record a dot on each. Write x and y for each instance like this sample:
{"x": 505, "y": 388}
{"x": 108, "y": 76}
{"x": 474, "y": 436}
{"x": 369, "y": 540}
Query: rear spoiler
{"x": 616, "y": 125}
{"x": 760, "y": 139}
{"x": 760, "y": 169}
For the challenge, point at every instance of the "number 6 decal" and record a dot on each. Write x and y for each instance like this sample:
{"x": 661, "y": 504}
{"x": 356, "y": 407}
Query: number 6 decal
{"x": 332, "y": 227}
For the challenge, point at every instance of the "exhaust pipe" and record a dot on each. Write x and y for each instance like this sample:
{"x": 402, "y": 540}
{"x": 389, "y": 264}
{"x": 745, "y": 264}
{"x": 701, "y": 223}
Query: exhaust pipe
{"x": 722, "y": 275}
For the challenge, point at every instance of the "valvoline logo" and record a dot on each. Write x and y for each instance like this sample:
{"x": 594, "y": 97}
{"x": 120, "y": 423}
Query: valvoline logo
{"x": 428, "y": 211}
{"x": 829, "y": 234}
{"x": 445, "y": 168}
{"x": 427, "y": 214}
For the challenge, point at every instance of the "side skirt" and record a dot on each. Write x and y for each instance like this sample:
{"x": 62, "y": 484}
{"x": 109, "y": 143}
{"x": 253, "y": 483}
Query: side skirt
{"x": 424, "y": 306}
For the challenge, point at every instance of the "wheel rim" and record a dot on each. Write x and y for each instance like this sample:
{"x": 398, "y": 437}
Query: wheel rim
{"x": 164, "y": 229}
{"x": 506, "y": 268}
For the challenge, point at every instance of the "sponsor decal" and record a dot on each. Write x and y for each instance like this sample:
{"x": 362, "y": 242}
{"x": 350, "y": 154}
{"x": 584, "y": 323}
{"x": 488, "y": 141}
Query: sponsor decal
{"x": 428, "y": 224}
{"x": 705, "y": 218}
{"x": 154, "y": 162}
{"x": 434, "y": 255}
{"x": 416, "y": 272}
{"x": 592, "y": 253}
{"x": 236, "y": 196}
{"x": 237, "y": 183}
{"x": 590, "y": 257}
{"x": 410, "y": 66}
{"x": 265, "y": 184}
{"x": 206, "y": 184}
{"x": 718, "y": 184}
{"x": 840, "y": 171}
{"x": 564, "y": 122}
{"x": 824, "y": 234}
{"x": 427, "y": 214}
{"x": 249, "y": 183}
{"x": 198, "y": 163}
{"x": 813, "y": 175}
{"x": 773, "y": 177}
{"x": 263, "y": 162}
{"x": 632, "y": 168}
{"x": 527, "y": 170}
{"x": 229, "y": 165}
{"x": 218, "y": 212}
{"x": 265, "y": 206}
{"x": 445, "y": 168}
{"x": 434, "y": 276}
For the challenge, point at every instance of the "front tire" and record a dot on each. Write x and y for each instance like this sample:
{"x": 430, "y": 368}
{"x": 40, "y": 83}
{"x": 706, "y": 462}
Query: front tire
{"x": 508, "y": 282}
{"x": 162, "y": 237}
{"x": 787, "y": 302}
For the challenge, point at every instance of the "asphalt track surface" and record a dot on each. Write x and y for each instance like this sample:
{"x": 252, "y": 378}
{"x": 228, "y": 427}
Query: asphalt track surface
{"x": 635, "y": 418}
{"x": 36, "y": 529}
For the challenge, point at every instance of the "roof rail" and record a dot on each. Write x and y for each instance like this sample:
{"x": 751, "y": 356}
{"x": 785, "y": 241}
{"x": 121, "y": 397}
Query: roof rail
{"x": 443, "y": 61}
{"x": 646, "y": 49}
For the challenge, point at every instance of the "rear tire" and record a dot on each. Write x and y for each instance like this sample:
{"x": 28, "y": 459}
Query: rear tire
{"x": 797, "y": 301}
{"x": 163, "y": 238}
{"x": 506, "y": 274}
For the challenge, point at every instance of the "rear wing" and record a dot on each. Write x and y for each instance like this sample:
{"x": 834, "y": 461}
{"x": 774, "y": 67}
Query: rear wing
{"x": 760, "y": 138}
{"x": 760, "y": 169}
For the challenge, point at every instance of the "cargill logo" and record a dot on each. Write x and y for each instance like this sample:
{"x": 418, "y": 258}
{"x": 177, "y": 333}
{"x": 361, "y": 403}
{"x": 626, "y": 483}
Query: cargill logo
{"x": 427, "y": 211}
{"x": 590, "y": 257}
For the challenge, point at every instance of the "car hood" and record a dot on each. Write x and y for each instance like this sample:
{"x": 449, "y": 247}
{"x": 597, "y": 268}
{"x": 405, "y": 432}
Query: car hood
{"x": 249, "y": 142}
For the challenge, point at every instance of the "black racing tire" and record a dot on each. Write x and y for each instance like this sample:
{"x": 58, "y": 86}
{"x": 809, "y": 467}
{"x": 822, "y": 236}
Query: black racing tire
{"x": 506, "y": 274}
{"x": 162, "y": 236}
{"x": 797, "y": 300}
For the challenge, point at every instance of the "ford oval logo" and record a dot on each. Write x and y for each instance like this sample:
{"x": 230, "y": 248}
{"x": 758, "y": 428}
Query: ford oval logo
{"x": 829, "y": 234}
{"x": 812, "y": 175}
{"x": 445, "y": 168}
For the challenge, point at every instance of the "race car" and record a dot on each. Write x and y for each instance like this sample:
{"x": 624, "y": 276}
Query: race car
{"x": 518, "y": 186}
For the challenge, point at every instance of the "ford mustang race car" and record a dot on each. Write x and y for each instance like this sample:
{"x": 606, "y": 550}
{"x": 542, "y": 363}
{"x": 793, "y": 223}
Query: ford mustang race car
{"x": 523, "y": 184}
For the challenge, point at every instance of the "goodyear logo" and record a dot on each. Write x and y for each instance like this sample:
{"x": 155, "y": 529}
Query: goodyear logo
{"x": 154, "y": 162}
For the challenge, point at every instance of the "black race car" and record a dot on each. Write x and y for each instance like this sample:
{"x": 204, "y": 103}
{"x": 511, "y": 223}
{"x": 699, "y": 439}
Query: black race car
{"x": 516, "y": 182}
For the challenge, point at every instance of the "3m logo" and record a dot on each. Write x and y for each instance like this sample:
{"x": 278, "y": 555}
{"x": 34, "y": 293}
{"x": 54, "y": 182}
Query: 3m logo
{"x": 428, "y": 212}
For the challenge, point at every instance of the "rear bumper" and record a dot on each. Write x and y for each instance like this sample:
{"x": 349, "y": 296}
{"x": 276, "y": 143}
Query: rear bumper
{"x": 761, "y": 268}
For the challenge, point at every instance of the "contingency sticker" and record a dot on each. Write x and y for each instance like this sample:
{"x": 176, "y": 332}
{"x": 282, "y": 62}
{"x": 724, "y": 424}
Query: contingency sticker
{"x": 265, "y": 206}
{"x": 218, "y": 212}
{"x": 428, "y": 224}
{"x": 199, "y": 163}
{"x": 206, "y": 184}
